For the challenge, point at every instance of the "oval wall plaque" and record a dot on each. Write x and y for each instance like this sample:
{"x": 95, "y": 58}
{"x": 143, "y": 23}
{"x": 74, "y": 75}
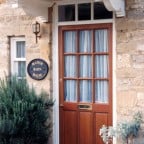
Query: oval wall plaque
{"x": 37, "y": 69}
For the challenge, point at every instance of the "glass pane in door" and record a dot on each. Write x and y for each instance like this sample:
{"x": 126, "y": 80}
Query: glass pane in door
{"x": 70, "y": 91}
{"x": 85, "y": 66}
{"x": 70, "y": 42}
{"x": 101, "y": 94}
{"x": 70, "y": 66}
{"x": 85, "y": 91}
{"x": 85, "y": 44}
{"x": 102, "y": 66}
{"x": 101, "y": 40}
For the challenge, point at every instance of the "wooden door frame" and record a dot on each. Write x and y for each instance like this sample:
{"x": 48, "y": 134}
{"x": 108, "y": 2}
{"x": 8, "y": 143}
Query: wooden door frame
{"x": 55, "y": 64}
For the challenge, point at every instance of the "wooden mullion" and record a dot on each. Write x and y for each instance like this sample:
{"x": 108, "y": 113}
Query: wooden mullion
{"x": 73, "y": 54}
{"x": 101, "y": 53}
{"x": 94, "y": 55}
{"x": 84, "y": 78}
{"x": 77, "y": 54}
{"x": 86, "y": 53}
{"x": 69, "y": 78}
{"x": 93, "y": 68}
{"x": 107, "y": 79}
{"x": 78, "y": 69}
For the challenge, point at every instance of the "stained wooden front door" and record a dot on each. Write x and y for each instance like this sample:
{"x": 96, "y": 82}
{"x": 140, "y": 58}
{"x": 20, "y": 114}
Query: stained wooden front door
{"x": 85, "y": 82}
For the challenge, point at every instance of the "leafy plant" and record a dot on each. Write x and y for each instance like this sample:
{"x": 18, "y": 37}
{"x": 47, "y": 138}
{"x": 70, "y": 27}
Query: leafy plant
{"x": 124, "y": 130}
{"x": 24, "y": 115}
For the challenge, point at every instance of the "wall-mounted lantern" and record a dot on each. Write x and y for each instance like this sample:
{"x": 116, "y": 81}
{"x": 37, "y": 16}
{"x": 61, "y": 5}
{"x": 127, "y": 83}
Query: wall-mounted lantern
{"x": 36, "y": 30}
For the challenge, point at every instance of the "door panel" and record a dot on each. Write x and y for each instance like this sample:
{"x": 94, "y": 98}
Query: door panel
{"x": 100, "y": 119}
{"x": 85, "y": 127}
{"x": 70, "y": 127}
{"x": 85, "y": 82}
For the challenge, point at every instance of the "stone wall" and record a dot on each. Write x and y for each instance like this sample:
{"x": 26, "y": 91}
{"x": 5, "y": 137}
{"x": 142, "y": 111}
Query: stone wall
{"x": 2, "y": 1}
{"x": 130, "y": 61}
{"x": 15, "y": 22}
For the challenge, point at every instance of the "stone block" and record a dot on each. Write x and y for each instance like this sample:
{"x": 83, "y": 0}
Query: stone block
{"x": 2, "y": 1}
{"x": 138, "y": 58}
{"x": 44, "y": 49}
{"x": 123, "y": 61}
{"x": 128, "y": 73}
{"x": 127, "y": 99}
{"x": 131, "y": 47}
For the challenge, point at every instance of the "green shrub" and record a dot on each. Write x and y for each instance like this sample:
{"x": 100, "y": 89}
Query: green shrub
{"x": 24, "y": 115}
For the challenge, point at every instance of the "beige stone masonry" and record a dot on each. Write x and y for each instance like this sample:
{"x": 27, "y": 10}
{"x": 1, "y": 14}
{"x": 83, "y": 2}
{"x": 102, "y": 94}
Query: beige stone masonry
{"x": 130, "y": 62}
{"x": 2, "y": 1}
{"x": 15, "y": 22}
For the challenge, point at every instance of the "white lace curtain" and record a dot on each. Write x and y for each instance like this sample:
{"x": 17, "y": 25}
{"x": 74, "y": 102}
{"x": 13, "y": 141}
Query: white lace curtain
{"x": 85, "y": 66}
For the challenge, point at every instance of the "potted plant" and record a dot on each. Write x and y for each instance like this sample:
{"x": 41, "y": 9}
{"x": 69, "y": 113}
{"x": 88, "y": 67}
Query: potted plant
{"x": 24, "y": 114}
{"x": 127, "y": 131}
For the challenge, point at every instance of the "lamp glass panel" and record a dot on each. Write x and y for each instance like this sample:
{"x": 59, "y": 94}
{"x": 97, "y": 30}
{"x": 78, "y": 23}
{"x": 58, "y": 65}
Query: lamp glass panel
{"x": 36, "y": 27}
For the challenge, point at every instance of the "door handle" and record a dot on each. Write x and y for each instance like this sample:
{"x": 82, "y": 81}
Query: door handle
{"x": 85, "y": 106}
{"x": 61, "y": 105}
